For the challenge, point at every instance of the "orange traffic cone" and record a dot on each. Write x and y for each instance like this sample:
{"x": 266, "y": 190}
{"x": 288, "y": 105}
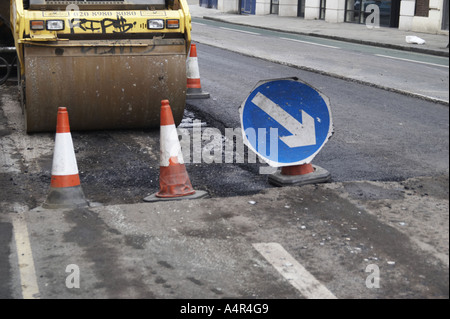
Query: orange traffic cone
{"x": 299, "y": 175}
{"x": 173, "y": 178}
{"x": 65, "y": 187}
{"x": 194, "y": 86}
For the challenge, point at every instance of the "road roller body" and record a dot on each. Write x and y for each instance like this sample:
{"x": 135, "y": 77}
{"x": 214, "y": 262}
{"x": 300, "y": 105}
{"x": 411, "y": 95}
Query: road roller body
{"x": 109, "y": 62}
{"x": 7, "y": 49}
{"x": 5, "y": 32}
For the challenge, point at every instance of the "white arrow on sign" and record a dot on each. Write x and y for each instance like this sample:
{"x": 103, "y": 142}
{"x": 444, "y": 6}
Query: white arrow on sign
{"x": 303, "y": 134}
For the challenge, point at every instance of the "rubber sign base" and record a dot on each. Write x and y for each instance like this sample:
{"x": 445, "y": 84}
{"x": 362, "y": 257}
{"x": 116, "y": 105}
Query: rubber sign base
{"x": 320, "y": 175}
{"x": 197, "y": 195}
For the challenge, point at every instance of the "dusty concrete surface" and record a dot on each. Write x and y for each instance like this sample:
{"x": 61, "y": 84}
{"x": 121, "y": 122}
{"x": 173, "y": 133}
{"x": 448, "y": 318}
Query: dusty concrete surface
{"x": 203, "y": 248}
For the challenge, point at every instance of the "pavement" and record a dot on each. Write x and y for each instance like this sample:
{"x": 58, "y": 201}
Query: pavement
{"x": 436, "y": 44}
{"x": 217, "y": 248}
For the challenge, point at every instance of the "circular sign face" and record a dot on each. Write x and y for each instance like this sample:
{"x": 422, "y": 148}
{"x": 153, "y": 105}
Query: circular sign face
{"x": 286, "y": 122}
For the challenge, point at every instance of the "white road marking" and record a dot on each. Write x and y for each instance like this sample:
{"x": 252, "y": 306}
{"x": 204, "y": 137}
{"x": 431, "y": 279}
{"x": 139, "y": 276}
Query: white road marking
{"x": 312, "y": 43}
{"x": 30, "y": 289}
{"x": 295, "y": 273}
{"x": 242, "y": 31}
{"x": 408, "y": 60}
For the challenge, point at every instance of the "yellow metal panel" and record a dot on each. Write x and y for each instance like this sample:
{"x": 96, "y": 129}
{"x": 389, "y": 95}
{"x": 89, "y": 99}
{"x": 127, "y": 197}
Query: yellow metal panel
{"x": 105, "y": 22}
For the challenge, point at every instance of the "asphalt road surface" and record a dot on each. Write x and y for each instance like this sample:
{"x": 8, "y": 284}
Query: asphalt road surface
{"x": 379, "y": 135}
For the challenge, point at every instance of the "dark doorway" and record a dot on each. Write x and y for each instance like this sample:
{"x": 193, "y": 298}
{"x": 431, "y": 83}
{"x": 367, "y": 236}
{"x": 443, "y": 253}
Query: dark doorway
{"x": 323, "y": 7}
{"x": 248, "y": 6}
{"x": 301, "y": 8}
{"x": 395, "y": 14}
{"x": 445, "y": 15}
{"x": 274, "y": 6}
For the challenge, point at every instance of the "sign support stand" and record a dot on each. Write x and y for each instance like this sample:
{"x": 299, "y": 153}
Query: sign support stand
{"x": 299, "y": 175}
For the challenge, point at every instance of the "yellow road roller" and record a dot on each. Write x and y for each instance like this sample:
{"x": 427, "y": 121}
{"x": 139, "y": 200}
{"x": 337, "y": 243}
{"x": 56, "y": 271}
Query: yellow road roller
{"x": 109, "y": 62}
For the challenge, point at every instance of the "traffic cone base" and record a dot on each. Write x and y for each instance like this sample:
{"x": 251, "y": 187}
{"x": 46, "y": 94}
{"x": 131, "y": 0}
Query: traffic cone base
{"x": 194, "y": 86}
{"x": 174, "y": 182}
{"x": 200, "y": 95}
{"x": 298, "y": 176}
{"x": 65, "y": 197}
{"x": 65, "y": 188}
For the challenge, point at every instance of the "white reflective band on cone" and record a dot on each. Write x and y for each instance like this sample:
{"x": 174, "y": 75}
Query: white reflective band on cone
{"x": 170, "y": 145}
{"x": 64, "y": 161}
{"x": 192, "y": 69}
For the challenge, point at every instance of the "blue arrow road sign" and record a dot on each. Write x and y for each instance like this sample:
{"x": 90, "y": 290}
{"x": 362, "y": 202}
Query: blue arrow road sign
{"x": 298, "y": 115}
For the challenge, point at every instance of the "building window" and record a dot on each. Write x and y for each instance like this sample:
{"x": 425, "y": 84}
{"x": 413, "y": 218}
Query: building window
{"x": 301, "y": 8}
{"x": 422, "y": 8}
{"x": 323, "y": 6}
{"x": 445, "y": 15}
{"x": 354, "y": 11}
{"x": 274, "y": 6}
